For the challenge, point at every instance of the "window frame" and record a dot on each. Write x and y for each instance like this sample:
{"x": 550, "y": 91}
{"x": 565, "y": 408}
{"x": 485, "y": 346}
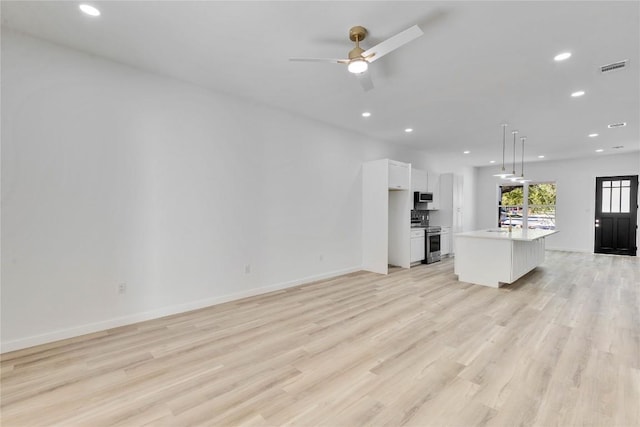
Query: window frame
{"x": 523, "y": 212}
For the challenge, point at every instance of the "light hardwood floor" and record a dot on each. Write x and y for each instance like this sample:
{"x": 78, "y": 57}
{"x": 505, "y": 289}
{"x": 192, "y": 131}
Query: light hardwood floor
{"x": 559, "y": 347}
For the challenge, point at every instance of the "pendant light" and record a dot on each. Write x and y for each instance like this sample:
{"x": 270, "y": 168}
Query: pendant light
{"x": 521, "y": 177}
{"x": 513, "y": 177}
{"x": 503, "y": 173}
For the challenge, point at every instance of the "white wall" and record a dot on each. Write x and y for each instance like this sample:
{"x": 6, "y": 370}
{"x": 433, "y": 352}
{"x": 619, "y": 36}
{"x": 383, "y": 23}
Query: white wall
{"x": 112, "y": 175}
{"x": 575, "y": 203}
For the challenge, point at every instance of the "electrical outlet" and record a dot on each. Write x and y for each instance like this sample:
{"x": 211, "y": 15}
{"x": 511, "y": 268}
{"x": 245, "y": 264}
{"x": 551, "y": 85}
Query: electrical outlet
{"x": 247, "y": 269}
{"x": 122, "y": 288}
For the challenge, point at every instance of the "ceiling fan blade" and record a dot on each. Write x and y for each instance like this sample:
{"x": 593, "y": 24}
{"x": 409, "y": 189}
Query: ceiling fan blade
{"x": 365, "y": 80}
{"x": 392, "y": 43}
{"x": 332, "y": 60}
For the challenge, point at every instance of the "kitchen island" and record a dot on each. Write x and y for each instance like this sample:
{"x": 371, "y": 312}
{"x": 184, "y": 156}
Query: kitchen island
{"x": 496, "y": 256}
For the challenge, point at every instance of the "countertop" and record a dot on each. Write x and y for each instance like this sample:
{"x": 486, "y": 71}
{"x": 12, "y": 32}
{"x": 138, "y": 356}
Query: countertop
{"x": 527, "y": 235}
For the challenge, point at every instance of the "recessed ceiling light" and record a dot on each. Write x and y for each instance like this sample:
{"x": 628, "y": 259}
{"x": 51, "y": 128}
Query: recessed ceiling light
{"x": 492, "y": 161}
{"x": 366, "y": 114}
{"x": 408, "y": 130}
{"x": 562, "y": 56}
{"x": 541, "y": 156}
{"x": 577, "y": 93}
{"x": 593, "y": 135}
{"x": 599, "y": 150}
{"x": 89, "y": 10}
{"x": 466, "y": 152}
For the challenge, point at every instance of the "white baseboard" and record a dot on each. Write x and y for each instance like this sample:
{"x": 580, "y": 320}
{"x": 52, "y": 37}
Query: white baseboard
{"x": 90, "y": 328}
{"x": 568, "y": 250}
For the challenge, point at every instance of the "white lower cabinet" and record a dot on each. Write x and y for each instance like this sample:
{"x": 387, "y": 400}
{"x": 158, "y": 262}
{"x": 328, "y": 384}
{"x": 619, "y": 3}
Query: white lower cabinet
{"x": 445, "y": 241}
{"x": 417, "y": 245}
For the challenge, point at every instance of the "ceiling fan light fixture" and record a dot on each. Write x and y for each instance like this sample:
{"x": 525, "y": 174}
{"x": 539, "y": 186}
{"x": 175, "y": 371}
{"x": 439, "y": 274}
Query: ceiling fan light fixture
{"x": 357, "y": 66}
{"x": 358, "y": 59}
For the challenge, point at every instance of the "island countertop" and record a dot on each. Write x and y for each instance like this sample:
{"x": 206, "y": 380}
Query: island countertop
{"x": 527, "y": 235}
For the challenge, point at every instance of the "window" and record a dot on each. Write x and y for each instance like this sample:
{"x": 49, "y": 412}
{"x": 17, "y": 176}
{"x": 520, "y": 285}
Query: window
{"x": 540, "y": 206}
{"x": 511, "y": 205}
{"x": 616, "y": 196}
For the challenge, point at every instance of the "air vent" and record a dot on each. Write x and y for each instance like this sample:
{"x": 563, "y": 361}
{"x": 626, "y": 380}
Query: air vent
{"x": 614, "y": 66}
{"x": 616, "y": 125}
{"x": 617, "y": 147}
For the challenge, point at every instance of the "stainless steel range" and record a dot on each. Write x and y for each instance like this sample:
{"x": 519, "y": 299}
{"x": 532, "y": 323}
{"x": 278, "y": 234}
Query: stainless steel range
{"x": 432, "y": 245}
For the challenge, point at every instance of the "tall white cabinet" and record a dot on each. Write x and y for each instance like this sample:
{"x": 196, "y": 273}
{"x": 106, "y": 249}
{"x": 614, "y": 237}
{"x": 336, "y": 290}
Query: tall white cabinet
{"x": 386, "y": 203}
{"x": 450, "y": 213}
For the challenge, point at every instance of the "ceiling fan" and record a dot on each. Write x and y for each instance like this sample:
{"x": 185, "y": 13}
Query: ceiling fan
{"x": 359, "y": 59}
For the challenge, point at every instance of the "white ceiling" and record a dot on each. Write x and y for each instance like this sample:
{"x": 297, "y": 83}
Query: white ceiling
{"x": 478, "y": 64}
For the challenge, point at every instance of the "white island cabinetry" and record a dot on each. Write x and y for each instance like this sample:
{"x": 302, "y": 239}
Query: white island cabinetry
{"x": 494, "y": 257}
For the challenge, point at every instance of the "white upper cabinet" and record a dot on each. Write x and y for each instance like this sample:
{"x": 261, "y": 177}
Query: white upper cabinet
{"x": 418, "y": 181}
{"x": 433, "y": 186}
{"x": 424, "y": 182}
{"x": 399, "y": 175}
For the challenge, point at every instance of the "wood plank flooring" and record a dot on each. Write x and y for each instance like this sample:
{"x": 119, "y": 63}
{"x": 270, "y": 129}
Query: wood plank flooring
{"x": 560, "y": 347}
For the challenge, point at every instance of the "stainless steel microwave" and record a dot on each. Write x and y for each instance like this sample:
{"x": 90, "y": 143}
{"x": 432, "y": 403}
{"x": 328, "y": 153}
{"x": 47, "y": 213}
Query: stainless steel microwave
{"x": 422, "y": 197}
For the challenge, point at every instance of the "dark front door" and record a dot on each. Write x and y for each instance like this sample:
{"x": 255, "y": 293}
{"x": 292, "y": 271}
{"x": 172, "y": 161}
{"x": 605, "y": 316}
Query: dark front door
{"x": 616, "y": 215}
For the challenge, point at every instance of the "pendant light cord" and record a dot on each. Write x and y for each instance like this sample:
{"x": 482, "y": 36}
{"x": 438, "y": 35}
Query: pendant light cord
{"x": 515, "y": 132}
{"x": 523, "y": 138}
{"x": 504, "y": 137}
